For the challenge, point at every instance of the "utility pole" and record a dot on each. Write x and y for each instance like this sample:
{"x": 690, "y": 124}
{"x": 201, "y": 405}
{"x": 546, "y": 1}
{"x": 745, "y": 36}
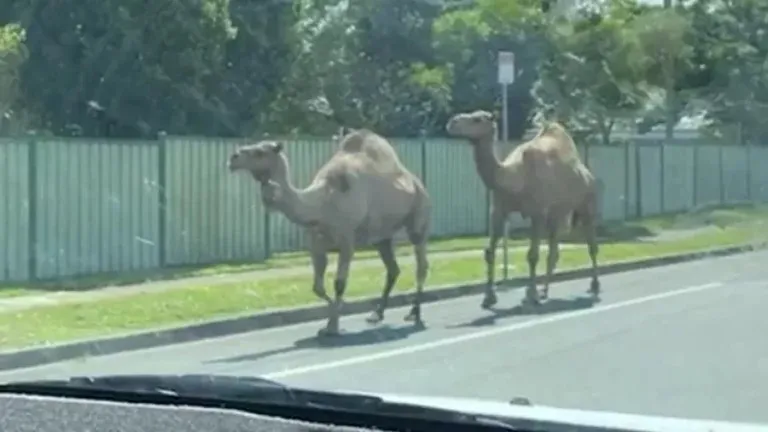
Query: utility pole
{"x": 506, "y": 65}
{"x": 669, "y": 77}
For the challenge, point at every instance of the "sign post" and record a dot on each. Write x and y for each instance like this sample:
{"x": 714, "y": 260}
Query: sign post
{"x": 506, "y": 63}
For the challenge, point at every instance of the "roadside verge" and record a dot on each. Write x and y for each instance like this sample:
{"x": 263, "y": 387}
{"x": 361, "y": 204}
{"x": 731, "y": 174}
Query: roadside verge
{"x": 281, "y": 317}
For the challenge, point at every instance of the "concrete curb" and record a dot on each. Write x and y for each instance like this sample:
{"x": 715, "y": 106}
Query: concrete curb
{"x": 281, "y": 317}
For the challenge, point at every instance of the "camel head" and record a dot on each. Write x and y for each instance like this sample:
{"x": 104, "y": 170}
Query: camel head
{"x": 259, "y": 159}
{"x": 475, "y": 125}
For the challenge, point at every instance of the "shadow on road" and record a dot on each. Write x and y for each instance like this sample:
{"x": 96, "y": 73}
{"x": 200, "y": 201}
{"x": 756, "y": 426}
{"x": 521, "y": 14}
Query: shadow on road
{"x": 551, "y": 306}
{"x": 375, "y": 335}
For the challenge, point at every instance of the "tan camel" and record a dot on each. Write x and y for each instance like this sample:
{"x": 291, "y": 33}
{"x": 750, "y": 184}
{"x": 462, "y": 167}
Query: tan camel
{"x": 362, "y": 196}
{"x": 543, "y": 179}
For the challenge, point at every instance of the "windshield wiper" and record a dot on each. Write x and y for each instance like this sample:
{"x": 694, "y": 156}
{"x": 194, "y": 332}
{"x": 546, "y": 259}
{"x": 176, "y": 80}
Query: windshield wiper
{"x": 223, "y": 388}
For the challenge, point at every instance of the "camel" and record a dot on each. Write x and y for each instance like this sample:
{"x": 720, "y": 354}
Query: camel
{"x": 543, "y": 179}
{"x": 363, "y": 195}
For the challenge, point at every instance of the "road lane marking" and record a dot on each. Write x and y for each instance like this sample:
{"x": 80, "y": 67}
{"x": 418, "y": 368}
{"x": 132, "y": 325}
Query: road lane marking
{"x": 486, "y": 333}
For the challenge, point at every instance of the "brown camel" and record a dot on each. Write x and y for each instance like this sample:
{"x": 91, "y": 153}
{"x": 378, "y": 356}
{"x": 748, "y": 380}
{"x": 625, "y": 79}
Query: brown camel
{"x": 543, "y": 179}
{"x": 362, "y": 196}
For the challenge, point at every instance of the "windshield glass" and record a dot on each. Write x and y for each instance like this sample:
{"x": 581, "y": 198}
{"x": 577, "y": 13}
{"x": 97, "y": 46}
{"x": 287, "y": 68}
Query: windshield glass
{"x": 356, "y": 196}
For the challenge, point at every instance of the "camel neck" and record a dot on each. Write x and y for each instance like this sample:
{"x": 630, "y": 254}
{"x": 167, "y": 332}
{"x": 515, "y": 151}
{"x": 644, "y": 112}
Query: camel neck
{"x": 293, "y": 204}
{"x": 486, "y": 162}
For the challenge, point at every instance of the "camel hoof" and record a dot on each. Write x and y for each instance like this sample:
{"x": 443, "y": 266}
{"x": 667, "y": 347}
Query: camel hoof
{"x": 594, "y": 288}
{"x": 413, "y": 316}
{"x": 530, "y": 301}
{"x": 489, "y": 301}
{"x": 375, "y": 317}
{"x": 543, "y": 295}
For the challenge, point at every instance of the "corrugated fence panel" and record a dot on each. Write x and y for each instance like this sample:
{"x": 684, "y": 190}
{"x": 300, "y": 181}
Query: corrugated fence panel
{"x": 14, "y": 210}
{"x": 735, "y": 173}
{"x": 411, "y": 152}
{"x": 707, "y": 174}
{"x": 97, "y": 204}
{"x": 306, "y": 157}
{"x": 97, "y": 201}
{"x": 607, "y": 164}
{"x": 631, "y": 155}
{"x": 678, "y": 177}
{"x": 212, "y": 215}
{"x": 758, "y": 161}
{"x": 458, "y": 194}
{"x": 650, "y": 179}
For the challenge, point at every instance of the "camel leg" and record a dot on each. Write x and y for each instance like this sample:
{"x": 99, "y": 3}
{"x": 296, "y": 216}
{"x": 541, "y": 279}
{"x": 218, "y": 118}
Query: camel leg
{"x": 553, "y": 254}
{"x": 422, "y": 268}
{"x": 346, "y": 252}
{"x": 498, "y": 217}
{"x": 590, "y": 231}
{"x": 319, "y": 264}
{"x": 531, "y": 295}
{"x": 386, "y": 250}
{"x": 319, "y": 256}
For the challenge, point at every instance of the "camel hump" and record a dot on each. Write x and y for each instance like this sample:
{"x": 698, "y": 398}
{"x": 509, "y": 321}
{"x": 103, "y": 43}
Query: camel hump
{"x": 554, "y": 130}
{"x": 371, "y": 152}
{"x": 356, "y": 140}
{"x": 337, "y": 177}
{"x": 554, "y": 140}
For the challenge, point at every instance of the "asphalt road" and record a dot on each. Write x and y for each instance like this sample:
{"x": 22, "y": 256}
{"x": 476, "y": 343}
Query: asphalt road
{"x": 687, "y": 340}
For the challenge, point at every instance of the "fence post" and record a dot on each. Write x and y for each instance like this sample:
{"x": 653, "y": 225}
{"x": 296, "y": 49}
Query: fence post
{"x": 638, "y": 183}
{"x": 424, "y": 157}
{"x": 32, "y": 200}
{"x": 749, "y": 170}
{"x": 267, "y": 236}
{"x": 267, "y": 240}
{"x": 720, "y": 173}
{"x": 162, "y": 199}
{"x": 626, "y": 180}
{"x": 695, "y": 174}
{"x": 662, "y": 180}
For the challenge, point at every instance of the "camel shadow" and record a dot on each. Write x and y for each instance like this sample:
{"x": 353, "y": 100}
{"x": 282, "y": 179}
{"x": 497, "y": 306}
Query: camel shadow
{"x": 371, "y": 336}
{"x": 551, "y": 306}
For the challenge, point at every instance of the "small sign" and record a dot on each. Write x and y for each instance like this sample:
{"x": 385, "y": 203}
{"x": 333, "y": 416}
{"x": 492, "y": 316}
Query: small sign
{"x": 506, "y": 67}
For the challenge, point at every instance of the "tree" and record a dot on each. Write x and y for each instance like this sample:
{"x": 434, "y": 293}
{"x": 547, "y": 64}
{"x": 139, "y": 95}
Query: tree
{"x": 126, "y": 68}
{"x": 468, "y": 40}
{"x": 13, "y": 54}
{"x": 732, "y": 46}
{"x": 665, "y": 37}
{"x": 606, "y": 63}
{"x": 364, "y": 64}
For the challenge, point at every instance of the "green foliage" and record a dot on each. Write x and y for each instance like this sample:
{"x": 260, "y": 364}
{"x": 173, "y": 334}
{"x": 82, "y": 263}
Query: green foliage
{"x": 732, "y": 44}
{"x": 468, "y": 40}
{"x": 13, "y": 53}
{"x": 245, "y": 67}
{"x": 601, "y": 65}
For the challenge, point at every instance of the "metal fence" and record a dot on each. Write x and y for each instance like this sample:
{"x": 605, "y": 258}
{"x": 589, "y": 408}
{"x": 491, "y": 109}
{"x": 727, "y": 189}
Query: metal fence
{"x": 80, "y": 206}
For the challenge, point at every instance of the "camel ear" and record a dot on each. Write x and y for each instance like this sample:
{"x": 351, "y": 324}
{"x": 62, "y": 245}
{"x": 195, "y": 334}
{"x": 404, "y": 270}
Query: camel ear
{"x": 278, "y": 147}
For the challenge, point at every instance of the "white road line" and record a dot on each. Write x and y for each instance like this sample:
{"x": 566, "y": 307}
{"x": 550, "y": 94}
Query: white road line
{"x": 486, "y": 333}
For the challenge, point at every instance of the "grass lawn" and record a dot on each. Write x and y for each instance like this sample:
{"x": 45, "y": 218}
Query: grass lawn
{"x": 197, "y": 303}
